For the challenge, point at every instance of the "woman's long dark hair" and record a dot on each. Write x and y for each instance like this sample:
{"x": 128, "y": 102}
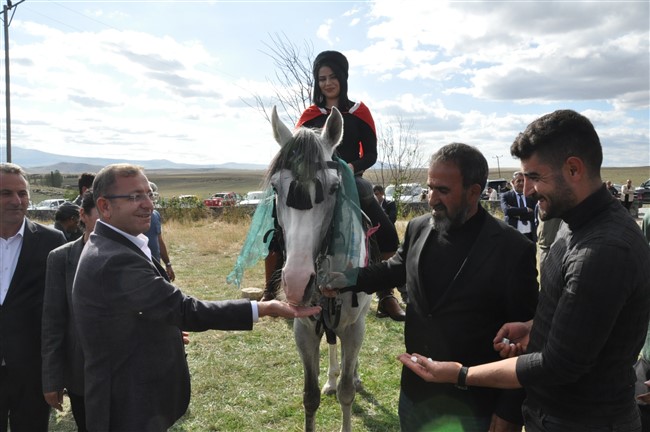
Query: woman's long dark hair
{"x": 318, "y": 98}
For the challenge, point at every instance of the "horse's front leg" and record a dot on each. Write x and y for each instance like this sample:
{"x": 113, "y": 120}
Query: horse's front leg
{"x": 351, "y": 340}
{"x": 333, "y": 370}
{"x": 308, "y": 344}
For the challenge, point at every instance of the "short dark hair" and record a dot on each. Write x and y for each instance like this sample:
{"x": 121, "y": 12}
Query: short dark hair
{"x": 88, "y": 201}
{"x": 85, "y": 180}
{"x": 106, "y": 177}
{"x": 378, "y": 188}
{"x": 559, "y": 135}
{"x": 469, "y": 160}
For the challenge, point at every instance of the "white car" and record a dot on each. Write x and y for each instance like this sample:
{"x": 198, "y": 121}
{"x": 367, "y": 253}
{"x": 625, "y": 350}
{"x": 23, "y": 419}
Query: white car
{"x": 410, "y": 192}
{"x": 252, "y": 198}
{"x": 50, "y": 204}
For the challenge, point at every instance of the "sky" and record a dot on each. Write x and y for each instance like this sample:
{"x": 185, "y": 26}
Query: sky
{"x": 178, "y": 80}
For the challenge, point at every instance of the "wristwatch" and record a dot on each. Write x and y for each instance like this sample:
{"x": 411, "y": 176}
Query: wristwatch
{"x": 169, "y": 264}
{"x": 462, "y": 378}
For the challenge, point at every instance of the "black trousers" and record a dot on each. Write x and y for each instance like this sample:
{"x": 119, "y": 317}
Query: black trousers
{"x": 78, "y": 411}
{"x": 22, "y": 405}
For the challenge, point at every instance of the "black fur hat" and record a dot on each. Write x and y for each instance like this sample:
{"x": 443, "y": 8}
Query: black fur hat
{"x": 333, "y": 59}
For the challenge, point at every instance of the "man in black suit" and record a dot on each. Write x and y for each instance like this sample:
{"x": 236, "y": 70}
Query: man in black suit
{"x": 519, "y": 209}
{"x": 460, "y": 291}
{"x": 23, "y": 256}
{"x": 389, "y": 207}
{"x": 129, "y": 316}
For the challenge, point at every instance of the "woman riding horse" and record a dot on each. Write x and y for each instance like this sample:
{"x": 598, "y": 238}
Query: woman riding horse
{"x": 359, "y": 149}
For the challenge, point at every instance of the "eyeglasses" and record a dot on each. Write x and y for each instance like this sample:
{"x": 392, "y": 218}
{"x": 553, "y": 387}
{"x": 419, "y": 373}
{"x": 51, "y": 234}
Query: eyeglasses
{"x": 136, "y": 198}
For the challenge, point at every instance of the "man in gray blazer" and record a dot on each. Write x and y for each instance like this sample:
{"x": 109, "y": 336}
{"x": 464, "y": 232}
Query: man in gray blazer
{"x": 63, "y": 366}
{"x": 23, "y": 254}
{"x": 129, "y": 317}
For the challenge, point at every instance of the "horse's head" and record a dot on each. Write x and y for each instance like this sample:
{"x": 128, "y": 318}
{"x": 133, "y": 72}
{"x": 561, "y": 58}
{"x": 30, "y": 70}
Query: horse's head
{"x": 305, "y": 187}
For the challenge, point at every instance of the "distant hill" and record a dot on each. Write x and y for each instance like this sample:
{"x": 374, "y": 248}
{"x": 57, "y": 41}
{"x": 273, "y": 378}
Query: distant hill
{"x": 39, "y": 162}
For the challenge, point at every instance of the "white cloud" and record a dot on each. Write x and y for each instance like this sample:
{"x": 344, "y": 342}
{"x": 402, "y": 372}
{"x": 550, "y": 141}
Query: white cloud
{"x": 323, "y": 31}
{"x": 138, "y": 81}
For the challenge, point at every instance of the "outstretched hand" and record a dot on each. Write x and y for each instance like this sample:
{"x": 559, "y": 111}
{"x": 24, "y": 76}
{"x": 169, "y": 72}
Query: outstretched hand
{"x": 335, "y": 280}
{"x": 277, "y": 308}
{"x": 431, "y": 370}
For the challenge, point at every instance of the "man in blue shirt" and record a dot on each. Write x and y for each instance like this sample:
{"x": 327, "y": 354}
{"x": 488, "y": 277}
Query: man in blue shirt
{"x": 156, "y": 243}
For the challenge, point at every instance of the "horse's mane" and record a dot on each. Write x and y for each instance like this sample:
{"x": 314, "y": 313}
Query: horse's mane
{"x": 302, "y": 155}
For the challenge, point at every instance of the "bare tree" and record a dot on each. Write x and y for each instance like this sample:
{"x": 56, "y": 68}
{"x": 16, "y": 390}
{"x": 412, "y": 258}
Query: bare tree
{"x": 293, "y": 81}
{"x": 398, "y": 147}
{"x": 400, "y": 157}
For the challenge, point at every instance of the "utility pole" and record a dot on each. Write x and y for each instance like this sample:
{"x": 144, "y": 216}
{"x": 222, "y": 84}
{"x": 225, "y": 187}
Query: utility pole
{"x": 496, "y": 157}
{"x": 7, "y": 21}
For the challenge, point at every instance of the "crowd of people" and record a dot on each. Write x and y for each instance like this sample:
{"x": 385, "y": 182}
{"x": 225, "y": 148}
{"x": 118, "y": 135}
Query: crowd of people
{"x": 561, "y": 344}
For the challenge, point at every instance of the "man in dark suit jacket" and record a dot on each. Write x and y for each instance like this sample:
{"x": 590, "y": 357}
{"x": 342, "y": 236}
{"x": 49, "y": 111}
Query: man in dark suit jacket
{"x": 129, "y": 317}
{"x": 62, "y": 356}
{"x": 519, "y": 210}
{"x": 389, "y": 207}
{"x": 25, "y": 246}
{"x": 461, "y": 292}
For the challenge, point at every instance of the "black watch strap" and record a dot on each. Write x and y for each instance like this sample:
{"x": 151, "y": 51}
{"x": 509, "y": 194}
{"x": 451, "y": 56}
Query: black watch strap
{"x": 462, "y": 378}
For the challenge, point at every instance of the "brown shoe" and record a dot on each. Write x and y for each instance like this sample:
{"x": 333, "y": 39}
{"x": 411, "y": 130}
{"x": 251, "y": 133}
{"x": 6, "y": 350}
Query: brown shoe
{"x": 389, "y": 307}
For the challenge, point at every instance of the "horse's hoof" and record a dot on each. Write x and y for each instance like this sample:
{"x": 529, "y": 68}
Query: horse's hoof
{"x": 358, "y": 385}
{"x": 329, "y": 391}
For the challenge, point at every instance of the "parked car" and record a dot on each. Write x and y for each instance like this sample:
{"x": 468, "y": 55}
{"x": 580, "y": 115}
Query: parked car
{"x": 500, "y": 185}
{"x": 222, "y": 199}
{"x": 409, "y": 192}
{"x": 643, "y": 192}
{"x": 252, "y": 198}
{"x": 50, "y": 204}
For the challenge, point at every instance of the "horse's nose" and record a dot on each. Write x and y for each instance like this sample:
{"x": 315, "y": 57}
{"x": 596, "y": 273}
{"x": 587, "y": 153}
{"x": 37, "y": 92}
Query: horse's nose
{"x": 295, "y": 283}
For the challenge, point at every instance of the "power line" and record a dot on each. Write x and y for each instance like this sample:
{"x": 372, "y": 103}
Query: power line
{"x": 34, "y": 11}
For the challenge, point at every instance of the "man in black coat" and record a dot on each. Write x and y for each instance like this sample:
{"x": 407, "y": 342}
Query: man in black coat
{"x": 389, "y": 207}
{"x": 25, "y": 246}
{"x": 519, "y": 209}
{"x": 461, "y": 291}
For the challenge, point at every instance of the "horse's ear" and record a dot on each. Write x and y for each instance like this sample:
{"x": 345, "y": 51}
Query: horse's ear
{"x": 333, "y": 128}
{"x": 281, "y": 133}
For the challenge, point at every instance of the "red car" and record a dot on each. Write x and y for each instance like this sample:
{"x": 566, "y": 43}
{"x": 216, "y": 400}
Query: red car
{"x": 222, "y": 199}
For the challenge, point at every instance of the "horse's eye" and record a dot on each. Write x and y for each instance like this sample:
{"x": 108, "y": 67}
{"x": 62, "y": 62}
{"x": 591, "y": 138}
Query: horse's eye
{"x": 333, "y": 188}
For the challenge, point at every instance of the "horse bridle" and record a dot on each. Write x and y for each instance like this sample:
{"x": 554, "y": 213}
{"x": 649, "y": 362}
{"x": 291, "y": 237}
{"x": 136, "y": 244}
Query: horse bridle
{"x": 330, "y": 315}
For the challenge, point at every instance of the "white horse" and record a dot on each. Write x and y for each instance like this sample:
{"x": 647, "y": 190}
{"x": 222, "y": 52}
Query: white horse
{"x": 306, "y": 182}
